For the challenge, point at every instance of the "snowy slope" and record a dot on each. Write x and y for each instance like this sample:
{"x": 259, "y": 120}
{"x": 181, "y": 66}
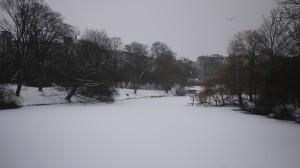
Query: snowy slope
{"x": 30, "y": 96}
{"x": 125, "y": 94}
{"x": 50, "y": 95}
{"x": 145, "y": 133}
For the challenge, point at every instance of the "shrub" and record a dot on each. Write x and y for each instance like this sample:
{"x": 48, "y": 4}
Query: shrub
{"x": 297, "y": 115}
{"x": 101, "y": 92}
{"x": 284, "y": 112}
{"x": 7, "y": 98}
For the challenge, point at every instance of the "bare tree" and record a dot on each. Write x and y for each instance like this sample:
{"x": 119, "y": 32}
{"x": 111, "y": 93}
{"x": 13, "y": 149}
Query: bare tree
{"x": 139, "y": 62}
{"x": 46, "y": 27}
{"x": 116, "y": 47}
{"x": 274, "y": 34}
{"x": 290, "y": 13}
{"x": 103, "y": 56}
{"x": 34, "y": 26}
{"x": 290, "y": 9}
{"x": 247, "y": 46}
{"x": 99, "y": 37}
{"x": 237, "y": 64}
{"x": 16, "y": 16}
{"x": 167, "y": 70}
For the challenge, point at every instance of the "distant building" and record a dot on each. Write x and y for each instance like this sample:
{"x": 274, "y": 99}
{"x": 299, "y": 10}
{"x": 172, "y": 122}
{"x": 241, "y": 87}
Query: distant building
{"x": 208, "y": 66}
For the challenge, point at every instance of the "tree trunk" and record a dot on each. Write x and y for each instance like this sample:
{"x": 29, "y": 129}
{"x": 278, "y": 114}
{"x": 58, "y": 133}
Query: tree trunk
{"x": 240, "y": 100}
{"x": 223, "y": 99}
{"x": 40, "y": 88}
{"x": 41, "y": 65}
{"x": 193, "y": 98}
{"x": 19, "y": 79}
{"x": 71, "y": 93}
{"x": 19, "y": 87}
{"x": 250, "y": 94}
{"x": 135, "y": 90}
{"x": 135, "y": 87}
{"x": 252, "y": 76}
{"x": 41, "y": 80}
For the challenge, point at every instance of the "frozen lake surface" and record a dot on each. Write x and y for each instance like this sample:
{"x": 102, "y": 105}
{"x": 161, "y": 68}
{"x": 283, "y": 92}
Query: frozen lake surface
{"x": 145, "y": 133}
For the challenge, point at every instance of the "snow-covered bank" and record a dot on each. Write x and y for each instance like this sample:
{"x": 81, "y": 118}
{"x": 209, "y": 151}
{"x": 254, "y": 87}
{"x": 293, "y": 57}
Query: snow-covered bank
{"x": 30, "y": 96}
{"x": 126, "y": 94}
{"x": 145, "y": 133}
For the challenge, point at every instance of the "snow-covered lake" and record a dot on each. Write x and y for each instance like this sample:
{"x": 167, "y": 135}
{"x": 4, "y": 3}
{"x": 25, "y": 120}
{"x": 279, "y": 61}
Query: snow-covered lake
{"x": 145, "y": 133}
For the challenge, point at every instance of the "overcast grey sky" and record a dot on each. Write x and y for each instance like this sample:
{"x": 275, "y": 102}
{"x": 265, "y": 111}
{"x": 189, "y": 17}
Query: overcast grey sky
{"x": 190, "y": 27}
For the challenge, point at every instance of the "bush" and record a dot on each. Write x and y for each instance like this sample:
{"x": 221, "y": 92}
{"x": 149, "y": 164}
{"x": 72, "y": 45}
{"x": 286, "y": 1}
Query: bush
{"x": 297, "y": 115}
{"x": 102, "y": 92}
{"x": 7, "y": 98}
{"x": 284, "y": 112}
{"x": 249, "y": 106}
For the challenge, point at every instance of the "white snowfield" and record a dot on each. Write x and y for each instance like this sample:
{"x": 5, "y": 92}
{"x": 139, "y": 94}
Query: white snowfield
{"x": 145, "y": 133}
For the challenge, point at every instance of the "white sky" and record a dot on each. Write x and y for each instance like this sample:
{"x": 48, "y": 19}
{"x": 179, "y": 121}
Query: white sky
{"x": 190, "y": 27}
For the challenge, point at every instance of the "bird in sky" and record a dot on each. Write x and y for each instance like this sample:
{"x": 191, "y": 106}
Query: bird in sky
{"x": 231, "y": 19}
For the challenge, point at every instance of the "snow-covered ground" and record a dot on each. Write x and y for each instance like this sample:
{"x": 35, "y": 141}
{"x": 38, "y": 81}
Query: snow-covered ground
{"x": 126, "y": 94}
{"x": 30, "y": 96}
{"x": 145, "y": 133}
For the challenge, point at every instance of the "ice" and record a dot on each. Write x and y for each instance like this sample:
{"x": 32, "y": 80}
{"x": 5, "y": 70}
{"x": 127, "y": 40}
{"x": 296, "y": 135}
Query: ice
{"x": 145, "y": 133}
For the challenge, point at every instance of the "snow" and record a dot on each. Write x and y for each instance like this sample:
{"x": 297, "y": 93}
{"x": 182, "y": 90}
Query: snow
{"x": 30, "y": 96}
{"x": 50, "y": 95}
{"x": 196, "y": 88}
{"x": 145, "y": 133}
{"x": 126, "y": 94}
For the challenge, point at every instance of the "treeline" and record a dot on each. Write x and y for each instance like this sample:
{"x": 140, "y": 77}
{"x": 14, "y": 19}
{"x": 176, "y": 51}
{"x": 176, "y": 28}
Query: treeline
{"x": 262, "y": 74}
{"x": 41, "y": 49}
